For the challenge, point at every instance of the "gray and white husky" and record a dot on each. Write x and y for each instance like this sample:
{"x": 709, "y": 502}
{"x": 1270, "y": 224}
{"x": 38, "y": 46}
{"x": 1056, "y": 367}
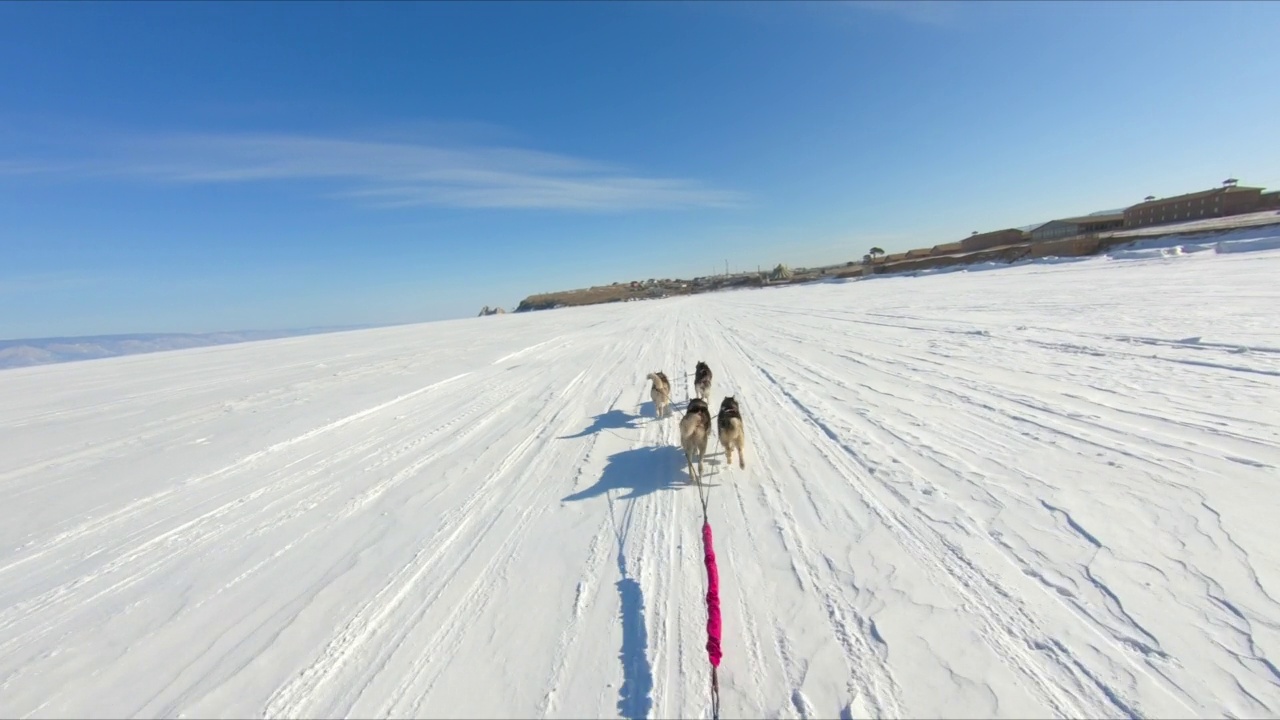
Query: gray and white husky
{"x": 702, "y": 380}
{"x": 732, "y": 434}
{"x": 695, "y": 428}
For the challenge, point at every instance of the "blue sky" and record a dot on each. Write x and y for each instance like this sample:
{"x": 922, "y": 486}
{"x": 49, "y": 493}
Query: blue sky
{"x": 174, "y": 167}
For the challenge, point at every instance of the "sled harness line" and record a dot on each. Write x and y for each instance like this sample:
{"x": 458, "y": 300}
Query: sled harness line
{"x": 713, "y": 597}
{"x": 713, "y": 581}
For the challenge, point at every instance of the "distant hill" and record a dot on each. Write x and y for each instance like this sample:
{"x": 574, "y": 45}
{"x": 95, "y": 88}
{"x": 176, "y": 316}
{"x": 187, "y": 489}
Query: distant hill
{"x": 44, "y": 351}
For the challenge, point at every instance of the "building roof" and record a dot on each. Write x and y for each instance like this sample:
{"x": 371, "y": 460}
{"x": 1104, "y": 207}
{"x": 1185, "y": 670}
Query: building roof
{"x": 1194, "y": 195}
{"x": 1096, "y": 218}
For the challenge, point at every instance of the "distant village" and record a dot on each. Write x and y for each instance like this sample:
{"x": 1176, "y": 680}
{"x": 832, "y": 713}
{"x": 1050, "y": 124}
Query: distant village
{"x": 1064, "y": 237}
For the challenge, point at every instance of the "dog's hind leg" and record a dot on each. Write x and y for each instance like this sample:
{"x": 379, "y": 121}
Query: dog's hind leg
{"x": 742, "y": 454}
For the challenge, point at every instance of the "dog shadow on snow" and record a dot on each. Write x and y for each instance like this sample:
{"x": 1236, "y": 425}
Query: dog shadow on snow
{"x": 633, "y": 474}
{"x": 612, "y": 420}
{"x": 641, "y": 471}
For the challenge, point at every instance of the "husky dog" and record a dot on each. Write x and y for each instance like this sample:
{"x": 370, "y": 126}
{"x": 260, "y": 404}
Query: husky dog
{"x": 661, "y": 393}
{"x": 702, "y": 380}
{"x": 732, "y": 434}
{"x": 695, "y": 428}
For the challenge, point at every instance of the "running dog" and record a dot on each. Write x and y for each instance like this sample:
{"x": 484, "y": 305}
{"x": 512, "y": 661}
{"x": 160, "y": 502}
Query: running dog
{"x": 695, "y": 428}
{"x": 661, "y": 393}
{"x": 702, "y": 380}
{"x": 732, "y": 434}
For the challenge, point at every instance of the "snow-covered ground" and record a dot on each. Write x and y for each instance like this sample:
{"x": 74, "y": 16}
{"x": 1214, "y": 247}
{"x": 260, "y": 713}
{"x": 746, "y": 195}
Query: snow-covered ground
{"x": 1044, "y": 491}
{"x": 43, "y": 351}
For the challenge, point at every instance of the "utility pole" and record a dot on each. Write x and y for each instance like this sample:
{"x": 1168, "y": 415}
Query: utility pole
{"x": 726, "y": 267}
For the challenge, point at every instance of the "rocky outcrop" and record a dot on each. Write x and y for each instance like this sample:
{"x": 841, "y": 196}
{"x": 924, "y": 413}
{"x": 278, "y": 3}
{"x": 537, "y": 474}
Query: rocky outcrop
{"x": 486, "y": 310}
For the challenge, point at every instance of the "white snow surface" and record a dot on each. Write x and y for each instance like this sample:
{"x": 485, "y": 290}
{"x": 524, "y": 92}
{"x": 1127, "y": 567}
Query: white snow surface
{"x": 1046, "y": 491}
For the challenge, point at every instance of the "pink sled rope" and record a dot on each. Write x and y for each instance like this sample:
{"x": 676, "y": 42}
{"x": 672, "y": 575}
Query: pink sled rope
{"x": 713, "y": 597}
{"x": 713, "y": 615}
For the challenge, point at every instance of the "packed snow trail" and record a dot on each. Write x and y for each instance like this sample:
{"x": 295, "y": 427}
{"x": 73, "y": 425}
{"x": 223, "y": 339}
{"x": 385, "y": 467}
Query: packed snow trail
{"x": 1042, "y": 491}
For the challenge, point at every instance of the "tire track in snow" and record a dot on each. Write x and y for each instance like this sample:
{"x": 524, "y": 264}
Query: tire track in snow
{"x": 518, "y": 353}
{"x": 1136, "y": 653}
{"x": 584, "y": 595}
{"x": 1005, "y": 623}
{"x": 426, "y": 666}
{"x": 656, "y": 431}
{"x": 225, "y": 521}
{"x": 944, "y": 377}
{"x": 302, "y": 695}
{"x": 1139, "y": 640}
{"x": 750, "y": 628}
{"x": 452, "y": 442}
{"x": 424, "y": 673}
{"x": 1144, "y": 643}
{"x": 131, "y": 510}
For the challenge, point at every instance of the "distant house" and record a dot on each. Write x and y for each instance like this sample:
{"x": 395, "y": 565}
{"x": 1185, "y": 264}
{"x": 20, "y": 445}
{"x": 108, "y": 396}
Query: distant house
{"x": 988, "y": 240}
{"x": 1071, "y": 227}
{"x": 1230, "y": 199}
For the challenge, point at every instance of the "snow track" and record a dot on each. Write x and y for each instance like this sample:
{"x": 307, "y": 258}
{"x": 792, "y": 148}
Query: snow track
{"x": 1047, "y": 491}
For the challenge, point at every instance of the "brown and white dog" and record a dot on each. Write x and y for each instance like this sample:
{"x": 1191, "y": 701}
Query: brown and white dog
{"x": 695, "y": 428}
{"x": 732, "y": 434}
{"x": 702, "y": 380}
{"x": 661, "y": 393}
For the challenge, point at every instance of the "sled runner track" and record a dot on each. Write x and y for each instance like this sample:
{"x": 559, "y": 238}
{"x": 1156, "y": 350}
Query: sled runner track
{"x": 525, "y": 351}
{"x": 463, "y": 525}
{"x": 587, "y": 587}
{"x": 423, "y": 673}
{"x": 131, "y": 510}
{"x": 170, "y": 425}
{"x": 1017, "y": 640}
{"x": 973, "y": 392}
{"x": 1133, "y": 636}
{"x": 143, "y": 395}
{"x": 1137, "y": 637}
{"x": 753, "y": 654}
{"x": 1129, "y": 654}
{"x": 585, "y": 594}
{"x": 298, "y": 697}
{"x": 618, "y": 525}
{"x": 670, "y": 587}
{"x": 455, "y": 442}
{"x": 865, "y": 657}
{"x": 227, "y": 522}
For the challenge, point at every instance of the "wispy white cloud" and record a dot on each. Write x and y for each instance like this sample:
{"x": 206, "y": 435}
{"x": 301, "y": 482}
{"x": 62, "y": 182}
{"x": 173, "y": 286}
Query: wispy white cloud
{"x": 397, "y": 174}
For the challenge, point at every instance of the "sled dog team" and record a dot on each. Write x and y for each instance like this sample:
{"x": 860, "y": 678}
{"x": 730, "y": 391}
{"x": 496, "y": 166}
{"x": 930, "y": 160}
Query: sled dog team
{"x": 695, "y": 426}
